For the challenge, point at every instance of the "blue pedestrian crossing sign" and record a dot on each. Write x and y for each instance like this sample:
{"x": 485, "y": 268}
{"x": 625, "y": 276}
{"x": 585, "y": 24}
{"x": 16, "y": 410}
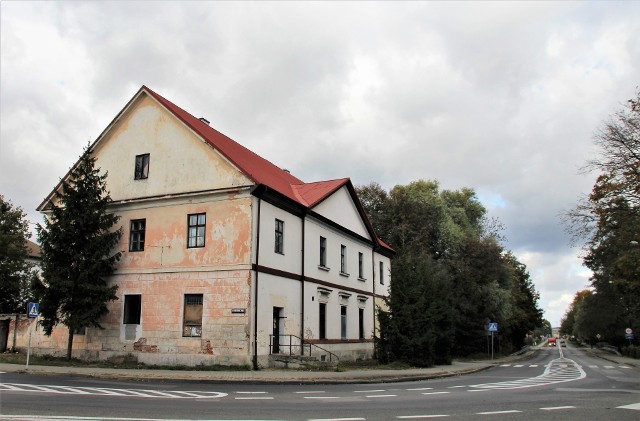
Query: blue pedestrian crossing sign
{"x": 32, "y": 309}
{"x": 493, "y": 327}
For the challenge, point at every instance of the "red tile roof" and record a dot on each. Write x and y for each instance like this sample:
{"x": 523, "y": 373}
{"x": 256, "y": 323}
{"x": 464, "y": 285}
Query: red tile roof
{"x": 251, "y": 164}
{"x": 262, "y": 171}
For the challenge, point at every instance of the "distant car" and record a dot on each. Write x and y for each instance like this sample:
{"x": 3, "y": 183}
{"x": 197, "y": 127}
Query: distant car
{"x": 563, "y": 343}
{"x": 552, "y": 341}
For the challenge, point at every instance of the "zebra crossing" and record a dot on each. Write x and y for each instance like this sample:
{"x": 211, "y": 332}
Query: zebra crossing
{"x": 606, "y": 367}
{"x": 100, "y": 391}
{"x": 557, "y": 371}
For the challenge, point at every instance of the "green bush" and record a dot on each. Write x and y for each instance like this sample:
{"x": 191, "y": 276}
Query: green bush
{"x": 631, "y": 351}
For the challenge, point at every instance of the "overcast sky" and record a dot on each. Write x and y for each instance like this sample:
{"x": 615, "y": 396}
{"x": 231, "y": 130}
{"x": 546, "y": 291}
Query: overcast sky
{"x": 501, "y": 97}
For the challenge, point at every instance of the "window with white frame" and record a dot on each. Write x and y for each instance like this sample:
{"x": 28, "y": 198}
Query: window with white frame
{"x": 323, "y": 252}
{"x": 343, "y": 259}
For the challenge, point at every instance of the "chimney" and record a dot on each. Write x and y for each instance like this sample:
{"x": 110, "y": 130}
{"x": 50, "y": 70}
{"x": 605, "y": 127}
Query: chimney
{"x": 204, "y": 120}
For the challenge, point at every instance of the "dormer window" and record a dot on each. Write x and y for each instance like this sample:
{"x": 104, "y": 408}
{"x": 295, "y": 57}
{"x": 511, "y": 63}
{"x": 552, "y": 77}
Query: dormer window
{"x": 142, "y": 167}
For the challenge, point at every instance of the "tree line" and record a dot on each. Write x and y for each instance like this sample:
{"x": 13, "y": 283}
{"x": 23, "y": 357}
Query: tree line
{"x": 608, "y": 221}
{"x": 451, "y": 276}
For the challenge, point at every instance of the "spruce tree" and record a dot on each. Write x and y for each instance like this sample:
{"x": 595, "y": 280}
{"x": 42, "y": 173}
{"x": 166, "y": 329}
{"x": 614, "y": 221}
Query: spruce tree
{"x": 78, "y": 243}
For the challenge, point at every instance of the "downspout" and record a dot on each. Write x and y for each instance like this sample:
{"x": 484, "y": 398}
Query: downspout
{"x": 302, "y": 280}
{"x": 255, "y": 301}
{"x": 373, "y": 275}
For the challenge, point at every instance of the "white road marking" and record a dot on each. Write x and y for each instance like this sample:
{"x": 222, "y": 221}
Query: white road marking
{"x": 608, "y": 366}
{"x": 505, "y": 365}
{"x": 423, "y": 388}
{"x": 624, "y": 366}
{"x": 634, "y": 406}
{"x": 338, "y": 419}
{"x": 512, "y": 411}
{"x": 311, "y": 391}
{"x": 414, "y": 417}
{"x": 557, "y": 408}
{"x": 557, "y": 371}
{"x": 254, "y": 398}
{"x": 322, "y": 397}
{"x": 533, "y": 365}
{"x": 593, "y": 366}
{"x": 251, "y": 393}
{"x": 518, "y": 365}
{"x": 144, "y": 393}
{"x": 435, "y": 393}
{"x": 381, "y": 396}
{"x": 455, "y": 387}
{"x": 369, "y": 391}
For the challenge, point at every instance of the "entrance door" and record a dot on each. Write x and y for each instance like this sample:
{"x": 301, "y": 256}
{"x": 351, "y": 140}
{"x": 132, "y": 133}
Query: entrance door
{"x": 277, "y": 329}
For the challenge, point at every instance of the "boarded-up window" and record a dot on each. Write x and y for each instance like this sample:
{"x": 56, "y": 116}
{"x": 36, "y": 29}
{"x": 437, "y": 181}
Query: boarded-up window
{"x": 192, "y": 321}
{"x": 132, "y": 306}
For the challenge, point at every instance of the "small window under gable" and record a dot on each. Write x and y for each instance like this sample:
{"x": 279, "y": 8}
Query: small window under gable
{"x": 142, "y": 167}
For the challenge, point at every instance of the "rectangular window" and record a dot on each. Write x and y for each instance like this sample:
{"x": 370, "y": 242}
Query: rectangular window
{"x": 196, "y": 231}
{"x": 323, "y": 252}
{"x": 279, "y": 244}
{"x": 132, "y": 308}
{"x": 136, "y": 234}
{"x": 381, "y": 273}
{"x": 343, "y": 322}
{"x": 343, "y": 258}
{"x": 142, "y": 167}
{"x": 192, "y": 321}
{"x": 360, "y": 265}
{"x": 322, "y": 317}
{"x": 361, "y": 323}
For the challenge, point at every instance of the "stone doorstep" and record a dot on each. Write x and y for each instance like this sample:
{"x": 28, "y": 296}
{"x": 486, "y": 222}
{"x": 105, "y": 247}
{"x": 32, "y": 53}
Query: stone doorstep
{"x": 299, "y": 362}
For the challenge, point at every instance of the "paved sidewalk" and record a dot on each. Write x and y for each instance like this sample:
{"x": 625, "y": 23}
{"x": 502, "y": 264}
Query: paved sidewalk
{"x": 276, "y": 376}
{"x": 618, "y": 359}
{"x": 284, "y": 376}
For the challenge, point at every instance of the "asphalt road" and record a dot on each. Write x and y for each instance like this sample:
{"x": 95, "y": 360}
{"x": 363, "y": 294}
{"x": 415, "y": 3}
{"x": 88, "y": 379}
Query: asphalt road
{"x": 556, "y": 383}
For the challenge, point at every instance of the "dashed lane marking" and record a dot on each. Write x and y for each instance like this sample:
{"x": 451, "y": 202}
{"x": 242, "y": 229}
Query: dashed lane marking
{"x": 557, "y": 408}
{"x": 381, "y": 396}
{"x": 418, "y": 417}
{"x": 512, "y": 411}
{"x": 338, "y": 419}
{"x": 634, "y": 406}
{"x": 369, "y": 391}
{"x": 322, "y": 397}
{"x": 420, "y": 388}
{"x": 435, "y": 393}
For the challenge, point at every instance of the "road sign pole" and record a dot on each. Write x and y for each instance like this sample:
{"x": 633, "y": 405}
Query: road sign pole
{"x": 491, "y": 345}
{"x": 29, "y": 344}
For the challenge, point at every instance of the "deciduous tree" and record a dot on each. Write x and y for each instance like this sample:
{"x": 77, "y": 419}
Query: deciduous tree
{"x": 16, "y": 273}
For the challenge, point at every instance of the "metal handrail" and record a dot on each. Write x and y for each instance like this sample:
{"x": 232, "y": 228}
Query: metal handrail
{"x": 301, "y": 345}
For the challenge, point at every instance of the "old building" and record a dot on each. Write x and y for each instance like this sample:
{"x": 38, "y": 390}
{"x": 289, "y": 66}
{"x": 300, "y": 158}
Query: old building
{"x": 226, "y": 258}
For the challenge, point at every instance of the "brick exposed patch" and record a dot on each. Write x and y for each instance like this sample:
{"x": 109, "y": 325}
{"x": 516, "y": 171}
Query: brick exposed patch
{"x": 142, "y": 346}
{"x": 206, "y": 347}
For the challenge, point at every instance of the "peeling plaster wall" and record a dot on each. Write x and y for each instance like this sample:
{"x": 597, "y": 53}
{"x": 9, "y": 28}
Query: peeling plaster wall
{"x": 179, "y": 160}
{"x": 227, "y": 234}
